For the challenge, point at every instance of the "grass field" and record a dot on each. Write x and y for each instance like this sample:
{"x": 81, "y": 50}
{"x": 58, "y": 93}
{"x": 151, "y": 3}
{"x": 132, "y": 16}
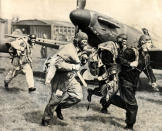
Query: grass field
{"x": 21, "y": 111}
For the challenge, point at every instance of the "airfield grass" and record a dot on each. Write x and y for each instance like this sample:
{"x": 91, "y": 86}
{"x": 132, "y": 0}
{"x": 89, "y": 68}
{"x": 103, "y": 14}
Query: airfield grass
{"x": 21, "y": 111}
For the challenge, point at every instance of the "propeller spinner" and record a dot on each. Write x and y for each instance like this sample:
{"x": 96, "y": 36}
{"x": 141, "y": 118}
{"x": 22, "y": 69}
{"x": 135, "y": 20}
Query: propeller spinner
{"x": 80, "y": 17}
{"x": 75, "y": 15}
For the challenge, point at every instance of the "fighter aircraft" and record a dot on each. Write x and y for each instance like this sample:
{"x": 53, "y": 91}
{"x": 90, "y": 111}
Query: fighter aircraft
{"x": 101, "y": 28}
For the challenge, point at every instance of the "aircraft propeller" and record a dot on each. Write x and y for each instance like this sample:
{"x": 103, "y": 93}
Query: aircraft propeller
{"x": 81, "y": 4}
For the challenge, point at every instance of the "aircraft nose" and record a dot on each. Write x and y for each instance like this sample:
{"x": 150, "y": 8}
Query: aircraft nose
{"x": 80, "y": 17}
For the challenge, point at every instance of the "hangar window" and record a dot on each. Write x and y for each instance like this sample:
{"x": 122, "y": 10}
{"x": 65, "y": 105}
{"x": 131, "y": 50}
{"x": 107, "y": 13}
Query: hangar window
{"x": 56, "y": 30}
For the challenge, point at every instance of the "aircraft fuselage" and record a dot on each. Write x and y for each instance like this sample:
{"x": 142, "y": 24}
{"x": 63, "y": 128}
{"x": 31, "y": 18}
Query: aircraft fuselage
{"x": 101, "y": 28}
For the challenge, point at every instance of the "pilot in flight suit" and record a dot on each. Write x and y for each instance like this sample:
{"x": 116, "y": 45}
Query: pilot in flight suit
{"x": 20, "y": 51}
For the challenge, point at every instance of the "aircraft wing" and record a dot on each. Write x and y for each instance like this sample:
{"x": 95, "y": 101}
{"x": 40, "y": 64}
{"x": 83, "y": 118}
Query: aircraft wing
{"x": 43, "y": 42}
{"x": 50, "y": 43}
{"x": 3, "y": 48}
{"x": 4, "y": 44}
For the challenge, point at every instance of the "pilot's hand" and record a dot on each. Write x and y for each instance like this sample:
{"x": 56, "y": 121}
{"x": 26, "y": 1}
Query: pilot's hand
{"x": 59, "y": 92}
{"x": 134, "y": 64}
{"x": 155, "y": 87}
{"x": 100, "y": 78}
{"x": 76, "y": 67}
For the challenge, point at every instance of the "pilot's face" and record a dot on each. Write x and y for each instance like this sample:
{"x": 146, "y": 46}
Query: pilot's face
{"x": 83, "y": 44}
{"x": 122, "y": 42}
{"x": 147, "y": 46}
{"x": 124, "y": 46}
{"x": 33, "y": 41}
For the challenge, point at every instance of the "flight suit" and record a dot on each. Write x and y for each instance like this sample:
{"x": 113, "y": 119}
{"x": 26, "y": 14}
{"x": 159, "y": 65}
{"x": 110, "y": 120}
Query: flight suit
{"x": 128, "y": 79}
{"x": 43, "y": 52}
{"x": 107, "y": 74}
{"x": 65, "y": 89}
{"x": 20, "y": 51}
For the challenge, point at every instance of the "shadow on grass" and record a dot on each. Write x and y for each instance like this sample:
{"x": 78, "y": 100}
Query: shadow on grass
{"x": 144, "y": 86}
{"x": 14, "y": 90}
{"x": 2, "y": 70}
{"x": 36, "y": 117}
{"x": 33, "y": 117}
{"x": 39, "y": 74}
{"x": 101, "y": 119}
{"x": 159, "y": 102}
{"x": 35, "y": 73}
{"x": 93, "y": 106}
{"x": 41, "y": 81}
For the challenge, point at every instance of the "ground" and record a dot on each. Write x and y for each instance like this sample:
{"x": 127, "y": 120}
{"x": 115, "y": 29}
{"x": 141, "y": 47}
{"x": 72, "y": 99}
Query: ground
{"x": 21, "y": 111}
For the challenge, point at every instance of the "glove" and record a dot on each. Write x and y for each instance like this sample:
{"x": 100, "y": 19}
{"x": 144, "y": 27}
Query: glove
{"x": 76, "y": 67}
{"x": 99, "y": 78}
{"x": 134, "y": 64}
{"x": 155, "y": 87}
{"x": 59, "y": 92}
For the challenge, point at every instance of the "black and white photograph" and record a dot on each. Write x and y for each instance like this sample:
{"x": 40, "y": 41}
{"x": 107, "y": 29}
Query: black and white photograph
{"x": 80, "y": 65}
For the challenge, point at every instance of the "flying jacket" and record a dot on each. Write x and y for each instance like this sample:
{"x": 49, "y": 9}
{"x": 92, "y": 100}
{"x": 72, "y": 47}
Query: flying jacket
{"x": 61, "y": 69}
{"x": 21, "y": 51}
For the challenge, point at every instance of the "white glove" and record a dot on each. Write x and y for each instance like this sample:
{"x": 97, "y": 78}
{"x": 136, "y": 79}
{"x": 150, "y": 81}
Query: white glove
{"x": 76, "y": 67}
{"x": 59, "y": 92}
{"x": 134, "y": 64}
{"x": 155, "y": 86}
{"x": 99, "y": 78}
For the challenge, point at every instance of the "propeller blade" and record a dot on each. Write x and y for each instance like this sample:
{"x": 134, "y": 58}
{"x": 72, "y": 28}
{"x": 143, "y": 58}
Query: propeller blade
{"x": 81, "y": 4}
{"x": 76, "y": 29}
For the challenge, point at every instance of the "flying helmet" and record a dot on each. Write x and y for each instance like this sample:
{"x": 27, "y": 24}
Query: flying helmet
{"x": 80, "y": 40}
{"x": 32, "y": 36}
{"x": 32, "y": 39}
{"x": 81, "y": 36}
{"x": 143, "y": 39}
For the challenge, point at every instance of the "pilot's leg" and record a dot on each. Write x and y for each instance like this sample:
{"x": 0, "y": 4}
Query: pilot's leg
{"x": 73, "y": 96}
{"x": 96, "y": 91}
{"x": 131, "y": 113}
{"x": 51, "y": 106}
{"x": 105, "y": 101}
{"x": 29, "y": 77}
{"x": 11, "y": 74}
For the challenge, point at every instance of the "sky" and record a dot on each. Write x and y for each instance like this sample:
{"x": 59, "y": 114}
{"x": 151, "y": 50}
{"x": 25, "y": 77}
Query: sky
{"x": 60, "y": 9}
{"x": 137, "y": 13}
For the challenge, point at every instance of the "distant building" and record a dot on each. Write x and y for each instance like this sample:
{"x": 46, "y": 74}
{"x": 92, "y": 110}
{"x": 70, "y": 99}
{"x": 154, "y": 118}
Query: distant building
{"x": 56, "y": 30}
{"x": 4, "y": 27}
